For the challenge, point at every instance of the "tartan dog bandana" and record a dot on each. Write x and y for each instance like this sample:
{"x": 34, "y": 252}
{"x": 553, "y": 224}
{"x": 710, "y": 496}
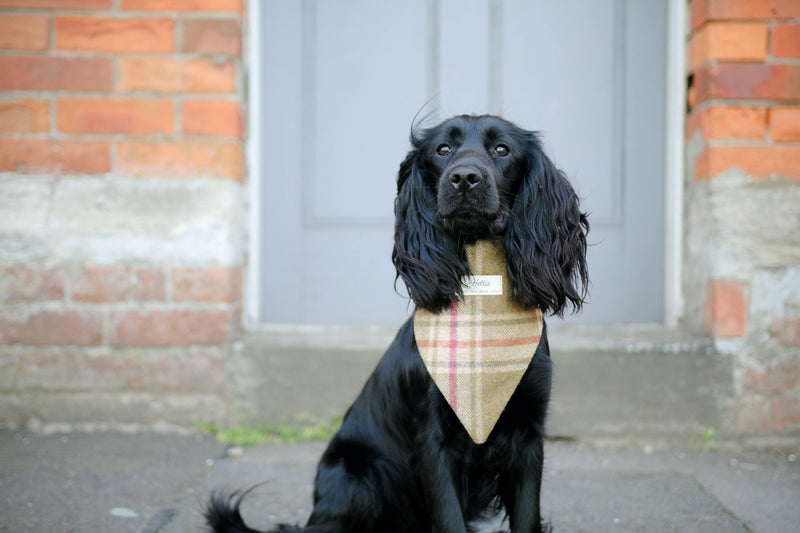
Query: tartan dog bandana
{"x": 478, "y": 350}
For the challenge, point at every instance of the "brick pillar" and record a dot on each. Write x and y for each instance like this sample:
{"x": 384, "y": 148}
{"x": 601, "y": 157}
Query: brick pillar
{"x": 743, "y": 194}
{"x": 121, "y": 177}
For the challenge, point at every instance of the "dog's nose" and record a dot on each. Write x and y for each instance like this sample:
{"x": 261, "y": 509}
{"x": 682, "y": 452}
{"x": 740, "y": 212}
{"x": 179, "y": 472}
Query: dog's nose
{"x": 465, "y": 178}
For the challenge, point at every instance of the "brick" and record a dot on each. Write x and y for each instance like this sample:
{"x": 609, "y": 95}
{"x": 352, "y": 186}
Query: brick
{"x": 213, "y": 284}
{"x": 213, "y": 118}
{"x": 24, "y": 32}
{"x": 180, "y": 159}
{"x": 782, "y": 375}
{"x": 698, "y": 13}
{"x": 754, "y": 416}
{"x": 754, "y": 378}
{"x": 123, "y": 116}
{"x": 183, "y": 5}
{"x": 102, "y": 284}
{"x": 786, "y": 331}
{"x": 703, "y": 11}
{"x": 785, "y": 413}
{"x": 29, "y": 283}
{"x": 781, "y": 9}
{"x": 726, "y": 308}
{"x": 739, "y": 9}
{"x": 168, "y": 75}
{"x": 59, "y": 157}
{"x": 786, "y": 40}
{"x": 747, "y": 80}
{"x": 58, "y": 4}
{"x": 38, "y": 73}
{"x": 171, "y": 327}
{"x": 758, "y": 162}
{"x": 150, "y": 285}
{"x": 784, "y": 123}
{"x": 792, "y": 303}
{"x": 49, "y": 370}
{"x": 728, "y": 122}
{"x": 100, "y": 34}
{"x": 728, "y": 41}
{"x": 24, "y": 116}
{"x": 162, "y": 369}
{"x": 51, "y": 327}
{"x": 8, "y": 367}
{"x": 212, "y": 36}
{"x": 779, "y": 376}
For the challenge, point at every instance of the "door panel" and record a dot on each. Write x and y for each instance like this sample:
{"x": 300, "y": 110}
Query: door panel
{"x": 343, "y": 80}
{"x": 573, "y": 96}
{"x": 361, "y": 88}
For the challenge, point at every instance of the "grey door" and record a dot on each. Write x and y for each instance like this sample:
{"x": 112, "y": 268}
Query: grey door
{"x": 344, "y": 78}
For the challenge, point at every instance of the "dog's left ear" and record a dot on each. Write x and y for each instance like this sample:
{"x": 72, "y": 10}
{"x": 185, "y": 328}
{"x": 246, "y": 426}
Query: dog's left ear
{"x": 546, "y": 238}
{"x": 429, "y": 260}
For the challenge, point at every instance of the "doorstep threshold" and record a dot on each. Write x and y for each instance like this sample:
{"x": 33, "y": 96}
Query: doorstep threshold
{"x": 625, "y": 338}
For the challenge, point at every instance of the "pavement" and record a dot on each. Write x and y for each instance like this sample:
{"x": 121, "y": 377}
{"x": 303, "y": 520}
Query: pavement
{"x": 148, "y": 482}
{"x": 629, "y": 407}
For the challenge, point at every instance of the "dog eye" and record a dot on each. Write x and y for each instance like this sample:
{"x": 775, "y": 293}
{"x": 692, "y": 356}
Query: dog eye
{"x": 502, "y": 150}
{"x": 443, "y": 149}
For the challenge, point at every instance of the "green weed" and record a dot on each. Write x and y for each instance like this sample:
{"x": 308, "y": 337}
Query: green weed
{"x": 706, "y": 441}
{"x": 303, "y": 428}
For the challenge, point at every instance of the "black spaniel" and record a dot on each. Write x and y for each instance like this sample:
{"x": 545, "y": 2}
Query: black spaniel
{"x": 402, "y": 462}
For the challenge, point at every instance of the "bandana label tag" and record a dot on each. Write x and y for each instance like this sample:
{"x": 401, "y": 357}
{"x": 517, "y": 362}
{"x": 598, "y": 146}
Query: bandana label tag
{"x": 482, "y": 285}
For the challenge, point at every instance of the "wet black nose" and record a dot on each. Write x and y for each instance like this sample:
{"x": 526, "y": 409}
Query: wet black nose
{"x": 465, "y": 178}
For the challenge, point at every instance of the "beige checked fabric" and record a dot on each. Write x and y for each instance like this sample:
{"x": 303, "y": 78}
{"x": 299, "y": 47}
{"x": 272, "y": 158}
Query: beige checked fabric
{"x": 478, "y": 350}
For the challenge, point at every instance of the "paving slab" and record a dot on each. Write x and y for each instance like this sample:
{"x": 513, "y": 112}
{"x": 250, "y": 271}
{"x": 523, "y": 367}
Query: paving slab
{"x": 87, "y": 482}
{"x": 153, "y": 482}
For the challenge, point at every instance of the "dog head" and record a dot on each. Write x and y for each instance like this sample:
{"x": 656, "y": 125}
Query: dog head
{"x": 482, "y": 177}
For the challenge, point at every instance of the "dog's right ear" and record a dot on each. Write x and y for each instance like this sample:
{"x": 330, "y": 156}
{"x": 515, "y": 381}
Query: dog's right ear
{"x": 425, "y": 256}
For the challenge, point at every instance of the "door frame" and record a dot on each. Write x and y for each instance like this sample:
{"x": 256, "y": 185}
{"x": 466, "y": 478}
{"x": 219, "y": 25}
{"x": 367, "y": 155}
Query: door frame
{"x": 252, "y": 60}
{"x": 675, "y": 106}
{"x": 675, "y": 160}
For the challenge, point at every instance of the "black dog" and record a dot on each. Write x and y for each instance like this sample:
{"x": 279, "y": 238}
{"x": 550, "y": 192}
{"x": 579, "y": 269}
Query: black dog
{"x": 402, "y": 462}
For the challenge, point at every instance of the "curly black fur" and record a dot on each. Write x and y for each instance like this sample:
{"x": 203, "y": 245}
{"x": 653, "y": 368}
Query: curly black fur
{"x": 402, "y": 462}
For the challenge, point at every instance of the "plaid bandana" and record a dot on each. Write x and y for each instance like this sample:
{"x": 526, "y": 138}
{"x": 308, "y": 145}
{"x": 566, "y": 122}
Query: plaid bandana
{"x": 478, "y": 350}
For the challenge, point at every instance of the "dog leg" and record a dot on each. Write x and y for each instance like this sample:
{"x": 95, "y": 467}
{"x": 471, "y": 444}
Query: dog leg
{"x": 442, "y": 500}
{"x": 521, "y": 488}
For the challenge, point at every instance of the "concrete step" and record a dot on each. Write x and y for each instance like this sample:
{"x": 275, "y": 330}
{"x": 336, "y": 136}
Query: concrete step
{"x": 625, "y": 383}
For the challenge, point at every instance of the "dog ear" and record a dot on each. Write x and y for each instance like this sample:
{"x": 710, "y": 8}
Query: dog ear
{"x": 425, "y": 256}
{"x": 546, "y": 238}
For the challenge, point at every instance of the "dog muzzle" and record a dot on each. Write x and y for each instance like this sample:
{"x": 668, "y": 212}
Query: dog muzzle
{"x": 478, "y": 350}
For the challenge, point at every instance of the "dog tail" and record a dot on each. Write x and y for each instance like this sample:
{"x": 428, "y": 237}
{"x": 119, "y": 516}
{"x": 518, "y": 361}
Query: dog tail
{"x": 222, "y": 513}
{"x": 223, "y": 516}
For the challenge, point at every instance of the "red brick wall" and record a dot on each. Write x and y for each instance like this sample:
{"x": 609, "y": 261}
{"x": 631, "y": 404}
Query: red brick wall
{"x": 743, "y": 139}
{"x": 121, "y": 164}
{"x": 121, "y": 172}
{"x": 743, "y": 56}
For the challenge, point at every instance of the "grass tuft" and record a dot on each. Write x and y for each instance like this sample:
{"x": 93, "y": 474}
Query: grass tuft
{"x": 303, "y": 428}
